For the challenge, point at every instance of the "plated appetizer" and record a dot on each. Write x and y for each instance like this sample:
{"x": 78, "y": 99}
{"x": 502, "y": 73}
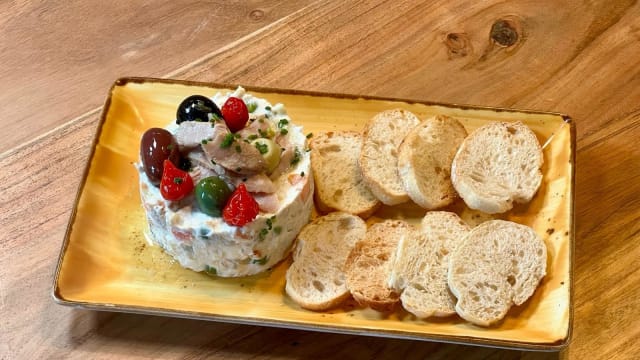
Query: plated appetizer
{"x": 227, "y": 186}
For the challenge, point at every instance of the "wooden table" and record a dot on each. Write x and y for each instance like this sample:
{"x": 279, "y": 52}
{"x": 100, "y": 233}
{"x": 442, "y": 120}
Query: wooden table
{"x": 58, "y": 60}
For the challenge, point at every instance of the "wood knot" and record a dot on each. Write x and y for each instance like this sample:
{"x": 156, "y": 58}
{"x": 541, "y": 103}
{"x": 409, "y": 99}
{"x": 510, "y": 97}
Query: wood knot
{"x": 458, "y": 44}
{"x": 256, "y": 15}
{"x": 505, "y": 32}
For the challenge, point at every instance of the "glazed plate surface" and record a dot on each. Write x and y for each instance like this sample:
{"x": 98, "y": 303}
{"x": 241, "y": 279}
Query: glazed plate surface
{"x": 106, "y": 263}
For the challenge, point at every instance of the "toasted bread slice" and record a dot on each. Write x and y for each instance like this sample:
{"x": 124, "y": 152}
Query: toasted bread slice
{"x": 497, "y": 165}
{"x": 379, "y": 156}
{"x": 424, "y": 161}
{"x": 368, "y": 265}
{"x": 498, "y": 264}
{"x": 339, "y": 184}
{"x": 316, "y": 280}
{"x": 421, "y": 263}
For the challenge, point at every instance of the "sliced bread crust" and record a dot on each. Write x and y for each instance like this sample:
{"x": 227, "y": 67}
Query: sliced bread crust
{"x": 498, "y": 264}
{"x": 424, "y": 160}
{"x": 368, "y": 265}
{"x": 338, "y": 180}
{"x": 496, "y": 165}
{"x": 421, "y": 264}
{"x": 316, "y": 280}
{"x": 378, "y": 161}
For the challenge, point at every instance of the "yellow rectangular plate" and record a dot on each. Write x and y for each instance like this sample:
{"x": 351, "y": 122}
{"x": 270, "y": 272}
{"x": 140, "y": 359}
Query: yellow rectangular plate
{"x": 106, "y": 264}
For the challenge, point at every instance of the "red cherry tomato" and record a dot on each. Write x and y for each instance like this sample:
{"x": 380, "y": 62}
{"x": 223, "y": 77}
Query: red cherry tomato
{"x": 241, "y": 208}
{"x": 235, "y": 114}
{"x": 175, "y": 183}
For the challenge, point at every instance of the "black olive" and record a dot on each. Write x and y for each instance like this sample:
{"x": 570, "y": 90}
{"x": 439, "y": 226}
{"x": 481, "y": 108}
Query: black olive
{"x": 156, "y": 146}
{"x": 197, "y": 108}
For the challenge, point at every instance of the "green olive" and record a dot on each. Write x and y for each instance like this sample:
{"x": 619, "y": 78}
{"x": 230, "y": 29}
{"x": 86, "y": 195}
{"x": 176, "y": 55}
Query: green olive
{"x": 212, "y": 194}
{"x": 270, "y": 151}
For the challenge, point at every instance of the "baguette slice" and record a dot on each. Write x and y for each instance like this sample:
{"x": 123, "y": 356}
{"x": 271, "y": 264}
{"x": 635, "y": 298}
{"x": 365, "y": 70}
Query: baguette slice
{"x": 496, "y": 165}
{"x": 379, "y": 156}
{"x": 368, "y": 265}
{"x": 498, "y": 264}
{"x": 424, "y": 160}
{"x": 316, "y": 280}
{"x": 339, "y": 184}
{"x": 421, "y": 263}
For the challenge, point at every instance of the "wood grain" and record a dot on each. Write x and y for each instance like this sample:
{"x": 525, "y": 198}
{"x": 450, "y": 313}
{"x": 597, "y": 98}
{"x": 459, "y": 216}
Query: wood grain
{"x": 58, "y": 59}
{"x": 575, "y": 57}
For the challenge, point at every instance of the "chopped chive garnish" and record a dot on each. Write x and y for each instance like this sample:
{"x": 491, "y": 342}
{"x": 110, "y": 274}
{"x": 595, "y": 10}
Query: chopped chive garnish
{"x": 261, "y": 261}
{"x": 227, "y": 141}
{"x": 262, "y": 148}
{"x": 296, "y": 157}
{"x": 282, "y": 123}
{"x": 210, "y": 270}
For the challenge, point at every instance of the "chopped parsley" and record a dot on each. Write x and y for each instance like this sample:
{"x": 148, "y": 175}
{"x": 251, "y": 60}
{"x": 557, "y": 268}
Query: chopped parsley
{"x": 263, "y": 133}
{"x": 262, "y": 148}
{"x": 252, "y": 106}
{"x": 284, "y": 131}
{"x": 177, "y": 180}
{"x": 238, "y": 149}
{"x": 263, "y": 233}
{"x": 213, "y": 162}
{"x": 204, "y": 141}
{"x": 268, "y": 108}
{"x": 170, "y": 147}
{"x": 309, "y": 135}
{"x": 277, "y": 230}
{"x": 302, "y": 174}
{"x": 252, "y": 137}
{"x": 227, "y": 141}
